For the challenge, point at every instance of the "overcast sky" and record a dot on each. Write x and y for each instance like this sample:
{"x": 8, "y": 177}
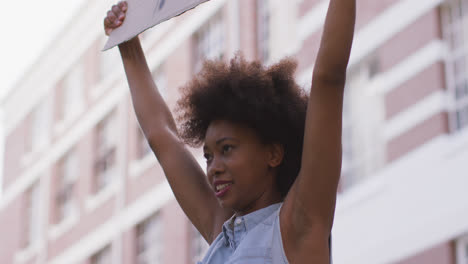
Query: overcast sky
{"x": 27, "y": 27}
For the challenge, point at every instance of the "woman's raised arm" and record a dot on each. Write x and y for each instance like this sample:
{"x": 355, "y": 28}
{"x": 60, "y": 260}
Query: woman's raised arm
{"x": 308, "y": 210}
{"x": 182, "y": 171}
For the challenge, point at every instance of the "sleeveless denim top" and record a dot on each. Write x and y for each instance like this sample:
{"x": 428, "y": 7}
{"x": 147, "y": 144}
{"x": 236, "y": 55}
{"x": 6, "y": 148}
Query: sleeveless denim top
{"x": 254, "y": 238}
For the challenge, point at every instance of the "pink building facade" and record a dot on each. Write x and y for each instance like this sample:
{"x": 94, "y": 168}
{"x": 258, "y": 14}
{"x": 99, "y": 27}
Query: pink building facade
{"x": 80, "y": 184}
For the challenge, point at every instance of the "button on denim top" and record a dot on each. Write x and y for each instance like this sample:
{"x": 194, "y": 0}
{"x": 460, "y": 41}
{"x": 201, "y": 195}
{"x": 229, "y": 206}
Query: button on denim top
{"x": 254, "y": 238}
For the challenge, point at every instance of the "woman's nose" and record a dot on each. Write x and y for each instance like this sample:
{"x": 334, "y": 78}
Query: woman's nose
{"x": 215, "y": 167}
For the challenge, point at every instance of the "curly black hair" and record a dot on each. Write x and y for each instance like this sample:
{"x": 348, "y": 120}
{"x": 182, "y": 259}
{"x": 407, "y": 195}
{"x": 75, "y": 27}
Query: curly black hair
{"x": 267, "y": 100}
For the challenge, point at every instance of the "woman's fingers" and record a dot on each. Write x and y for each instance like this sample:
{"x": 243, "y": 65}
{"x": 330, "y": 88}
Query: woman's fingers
{"x": 123, "y": 6}
{"x": 111, "y": 17}
{"x": 115, "y": 17}
{"x": 119, "y": 13}
{"x": 116, "y": 10}
{"x": 108, "y": 26}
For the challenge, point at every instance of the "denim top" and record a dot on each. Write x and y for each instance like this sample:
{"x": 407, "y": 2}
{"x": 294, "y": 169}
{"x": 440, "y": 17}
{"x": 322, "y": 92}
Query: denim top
{"x": 254, "y": 238}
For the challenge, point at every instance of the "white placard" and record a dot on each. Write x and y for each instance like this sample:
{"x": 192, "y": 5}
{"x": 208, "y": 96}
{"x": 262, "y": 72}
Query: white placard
{"x": 144, "y": 14}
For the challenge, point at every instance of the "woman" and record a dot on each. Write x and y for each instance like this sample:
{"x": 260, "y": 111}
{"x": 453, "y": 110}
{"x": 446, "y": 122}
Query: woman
{"x": 273, "y": 155}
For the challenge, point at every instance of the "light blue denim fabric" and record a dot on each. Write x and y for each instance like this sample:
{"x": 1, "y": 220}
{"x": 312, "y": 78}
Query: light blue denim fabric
{"x": 254, "y": 238}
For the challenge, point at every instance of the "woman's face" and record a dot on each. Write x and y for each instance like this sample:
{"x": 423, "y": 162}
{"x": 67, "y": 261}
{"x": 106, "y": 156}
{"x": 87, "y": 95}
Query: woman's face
{"x": 240, "y": 168}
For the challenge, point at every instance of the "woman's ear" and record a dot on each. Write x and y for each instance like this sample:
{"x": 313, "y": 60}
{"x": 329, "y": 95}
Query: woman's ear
{"x": 276, "y": 155}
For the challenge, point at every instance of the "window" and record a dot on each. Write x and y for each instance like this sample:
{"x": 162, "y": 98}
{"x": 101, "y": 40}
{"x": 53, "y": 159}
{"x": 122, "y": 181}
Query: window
{"x": 149, "y": 241}
{"x": 160, "y": 79}
{"x": 107, "y": 60}
{"x": 198, "y": 245}
{"x": 363, "y": 147}
{"x": 210, "y": 41}
{"x": 462, "y": 250}
{"x": 106, "y": 146}
{"x": 347, "y": 170}
{"x": 73, "y": 86}
{"x": 31, "y": 218}
{"x": 143, "y": 147}
{"x": 67, "y": 174}
{"x": 455, "y": 29}
{"x": 40, "y": 126}
{"x": 103, "y": 256}
{"x": 263, "y": 30}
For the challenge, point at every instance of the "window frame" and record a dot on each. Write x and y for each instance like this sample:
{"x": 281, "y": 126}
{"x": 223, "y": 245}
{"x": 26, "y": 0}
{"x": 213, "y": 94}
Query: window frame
{"x": 358, "y": 161}
{"x": 160, "y": 79}
{"x": 105, "y": 162}
{"x": 73, "y": 97}
{"x": 210, "y": 41}
{"x": 143, "y": 147}
{"x": 103, "y": 256}
{"x": 198, "y": 245}
{"x": 263, "y": 30}
{"x": 32, "y": 209}
{"x": 41, "y": 123}
{"x": 107, "y": 61}
{"x": 462, "y": 250}
{"x": 64, "y": 195}
{"x": 149, "y": 240}
{"x": 456, "y": 78}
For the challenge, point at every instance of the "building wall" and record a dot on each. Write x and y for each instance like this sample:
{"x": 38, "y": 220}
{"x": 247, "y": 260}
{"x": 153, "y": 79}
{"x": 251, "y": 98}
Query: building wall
{"x": 9, "y": 218}
{"x": 443, "y": 254}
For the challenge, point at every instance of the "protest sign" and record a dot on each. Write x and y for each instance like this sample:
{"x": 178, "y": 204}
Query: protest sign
{"x": 144, "y": 14}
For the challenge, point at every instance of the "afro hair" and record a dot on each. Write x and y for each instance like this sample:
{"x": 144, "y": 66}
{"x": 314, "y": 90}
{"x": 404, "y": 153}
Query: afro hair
{"x": 266, "y": 99}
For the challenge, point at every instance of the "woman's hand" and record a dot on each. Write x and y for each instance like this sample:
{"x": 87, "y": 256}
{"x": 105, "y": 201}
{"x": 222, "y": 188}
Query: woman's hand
{"x": 115, "y": 17}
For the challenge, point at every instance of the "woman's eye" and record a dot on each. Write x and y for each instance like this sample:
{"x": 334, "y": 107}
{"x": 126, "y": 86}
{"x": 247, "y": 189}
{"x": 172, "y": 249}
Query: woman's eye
{"x": 227, "y": 148}
{"x": 207, "y": 156}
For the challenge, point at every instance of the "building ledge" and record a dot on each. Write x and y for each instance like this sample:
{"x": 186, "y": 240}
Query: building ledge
{"x": 95, "y": 201}
{"x": 64, "y": 226}
{"x": 65, "y": 123}
{"x": 32, "y": 155}
{"x": 138, "y": 167}
{"x": 414, "y": 203}
{"x": 27, "y": 253}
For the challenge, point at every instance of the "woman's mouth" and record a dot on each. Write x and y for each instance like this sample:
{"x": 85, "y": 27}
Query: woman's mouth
{"x": 222, "y": 189}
